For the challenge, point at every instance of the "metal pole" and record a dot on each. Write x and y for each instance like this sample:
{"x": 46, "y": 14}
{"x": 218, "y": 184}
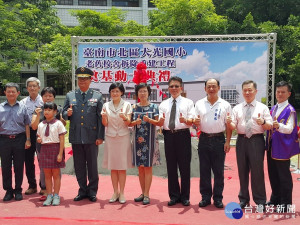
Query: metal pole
{"x": 297, "y": 171}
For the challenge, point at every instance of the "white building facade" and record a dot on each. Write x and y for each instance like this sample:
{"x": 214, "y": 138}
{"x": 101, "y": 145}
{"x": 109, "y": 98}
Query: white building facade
{"x": 135, "y": 9}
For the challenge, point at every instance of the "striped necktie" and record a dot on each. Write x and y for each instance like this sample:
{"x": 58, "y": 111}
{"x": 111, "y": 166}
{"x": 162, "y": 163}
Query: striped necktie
{"x": 248, "y": 130}
{"x": 172, "y": 116}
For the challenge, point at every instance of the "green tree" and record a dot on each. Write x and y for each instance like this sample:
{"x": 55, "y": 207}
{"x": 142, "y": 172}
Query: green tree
{"x": 15, "y": 44}
{"x": 277, "y": 11}
{"x": 287, "y": 63}
{"x": 25, "y": 27}
{"x": 248, "y": 26}
{"x": 132, "y": 28}
{"x": 94, "y": 23}
{"x": 186, "y": 17}
{"x": 57, "y": 56}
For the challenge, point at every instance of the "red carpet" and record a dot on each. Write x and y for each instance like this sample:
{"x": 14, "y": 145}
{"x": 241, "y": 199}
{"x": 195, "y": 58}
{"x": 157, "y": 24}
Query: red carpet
{"x": 30, "y": 210}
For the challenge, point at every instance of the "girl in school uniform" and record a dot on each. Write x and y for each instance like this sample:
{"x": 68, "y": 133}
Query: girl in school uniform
{"x": 51, "y": 134}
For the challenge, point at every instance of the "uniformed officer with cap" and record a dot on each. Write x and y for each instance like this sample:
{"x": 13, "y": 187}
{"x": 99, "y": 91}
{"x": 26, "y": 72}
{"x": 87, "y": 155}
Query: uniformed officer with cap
{"x": 82, "y": 107}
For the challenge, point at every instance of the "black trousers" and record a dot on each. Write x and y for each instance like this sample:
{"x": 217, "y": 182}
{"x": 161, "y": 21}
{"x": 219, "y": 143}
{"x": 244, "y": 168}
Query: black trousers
{"x": 85, "y": 164}
{"x": 29, "y": 160}
{"x": 178, "y": 155}
{"x": 211, "y": 157}
{"x": 12, "y": 151}
{"x": 280, "y": 179}
{"x": 250, "y": 154}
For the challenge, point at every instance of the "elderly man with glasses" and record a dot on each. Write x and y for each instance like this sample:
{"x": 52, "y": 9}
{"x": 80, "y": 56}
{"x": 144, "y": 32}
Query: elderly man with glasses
{"x": 31, "y": 102}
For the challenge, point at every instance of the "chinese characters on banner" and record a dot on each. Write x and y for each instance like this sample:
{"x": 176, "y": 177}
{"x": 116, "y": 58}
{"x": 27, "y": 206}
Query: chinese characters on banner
{"x": 116, "y": 64}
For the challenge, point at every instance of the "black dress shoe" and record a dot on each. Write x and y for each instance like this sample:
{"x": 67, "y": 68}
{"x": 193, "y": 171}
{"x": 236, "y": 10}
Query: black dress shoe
{"x": 219, "y": 204}
{"x": 93, "y": 198}
{"x": 204, "y": 203}
{"x": 8, "y": 196}
{"x": 185, "y": 202}
{"x": 139, "y": 199}
{"x": 79, "y": 197}
{"x": 243, "y": 204}
{"x": 173, "y": 202}
{"x": 18, "y": 196}
{"x": 146, "y": 200}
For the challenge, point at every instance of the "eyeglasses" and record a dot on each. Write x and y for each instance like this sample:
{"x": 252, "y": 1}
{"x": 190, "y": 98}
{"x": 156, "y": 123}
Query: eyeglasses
{"x": 174, "y": 86}
{"x": 32, "y": 86}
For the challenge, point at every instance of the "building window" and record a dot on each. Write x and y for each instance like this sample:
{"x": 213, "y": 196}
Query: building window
{"x": 151, "y": 4}
{"x": 124, "y": 3}
{"x": 56, "y": 81}
{"x": 64, "y": 2}
{"x": 153, "y": 96}
{"x": 93, "y": 2}
{"x": 166, "y": 92}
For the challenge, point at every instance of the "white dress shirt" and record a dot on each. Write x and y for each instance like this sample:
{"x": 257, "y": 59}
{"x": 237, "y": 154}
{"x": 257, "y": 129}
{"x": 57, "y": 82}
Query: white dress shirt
{"x": 289, "y": 126}
{"x": 212, "y": 117}
{"x": 183, "y": 105}
{"x": 239, "y": 112}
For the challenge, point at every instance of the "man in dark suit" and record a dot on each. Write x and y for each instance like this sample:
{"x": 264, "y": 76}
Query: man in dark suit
{"x": 82, "y": 107}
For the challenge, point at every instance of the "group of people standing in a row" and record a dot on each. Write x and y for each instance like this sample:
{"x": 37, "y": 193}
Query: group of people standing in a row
{"x": 92, "y": 122}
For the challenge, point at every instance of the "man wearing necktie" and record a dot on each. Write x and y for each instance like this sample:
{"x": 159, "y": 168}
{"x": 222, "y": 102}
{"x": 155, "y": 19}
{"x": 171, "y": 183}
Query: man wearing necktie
{"x": 282, "y": 144}
{"x": 250, "y": 118}
{"x": 83, "y": 108}
{"x": 179, "y": 113}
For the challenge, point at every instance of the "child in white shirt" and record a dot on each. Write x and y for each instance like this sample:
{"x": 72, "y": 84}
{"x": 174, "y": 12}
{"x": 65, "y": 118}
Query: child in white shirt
{"x": 51, "y": 134}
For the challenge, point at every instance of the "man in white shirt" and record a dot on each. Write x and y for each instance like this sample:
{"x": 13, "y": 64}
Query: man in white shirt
{"x": 251, "y": 118}
{"x": 282, "y": 144}
{"x": 31, "y": 102}
{"x": 178, "y": 113}
{"x": 211, "y": 114}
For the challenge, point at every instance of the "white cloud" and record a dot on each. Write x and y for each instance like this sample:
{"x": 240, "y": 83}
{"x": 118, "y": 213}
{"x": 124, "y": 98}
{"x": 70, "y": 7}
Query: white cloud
{"x": 259, "y": 44}
{"x": 237, "y": 48}
{"x": 246, "y": 71}
{"x": 195, "y": 65}
{"x": 256, "y": 71}
{"x": 234, "y": 48}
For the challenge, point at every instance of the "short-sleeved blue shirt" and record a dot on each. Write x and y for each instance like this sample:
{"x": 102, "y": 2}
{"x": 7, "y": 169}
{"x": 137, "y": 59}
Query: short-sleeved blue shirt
{"x": 13, "y": 119}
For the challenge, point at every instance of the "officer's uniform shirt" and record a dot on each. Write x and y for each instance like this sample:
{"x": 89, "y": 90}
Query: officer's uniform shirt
{"x": 239, "y": 113}
{"x": 116, "y": 126}
{"x": 86, "y": 121}
{"x": 183, "y": 105}
{"x": 13, "y": 119}
{"x": 212, "y": 117}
